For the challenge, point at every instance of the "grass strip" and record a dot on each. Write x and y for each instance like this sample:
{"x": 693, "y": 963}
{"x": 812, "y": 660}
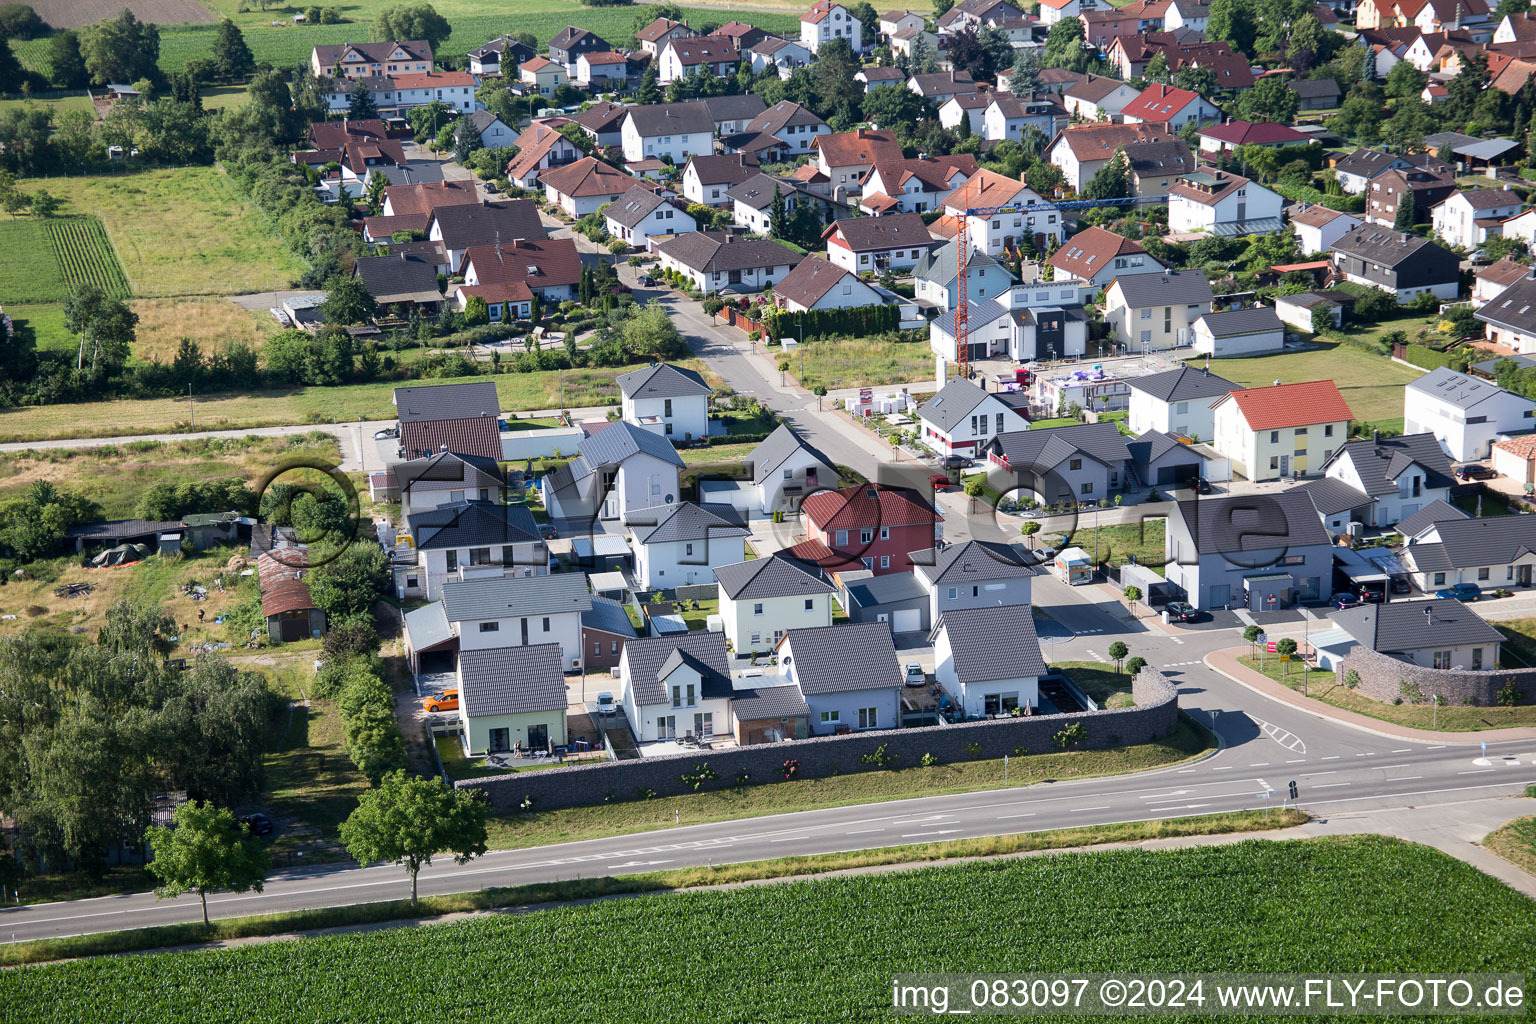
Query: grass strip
{"x": 1515, "y": 841}
{"x": 163, "y": 936}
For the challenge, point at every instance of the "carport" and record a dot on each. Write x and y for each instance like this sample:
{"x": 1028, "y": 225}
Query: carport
{"x": 431, "y": 645}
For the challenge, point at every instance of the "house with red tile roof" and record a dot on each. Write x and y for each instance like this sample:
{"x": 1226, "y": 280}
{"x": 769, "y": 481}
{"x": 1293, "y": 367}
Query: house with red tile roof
{"x": 584, "y": 186}
{"x": 869, "y": 526}
{"x": 1166, "y": 105}
{"x": 1280, "y": 431}
{"x": 510, "y": 275}
{"x": 1224, "y": 138}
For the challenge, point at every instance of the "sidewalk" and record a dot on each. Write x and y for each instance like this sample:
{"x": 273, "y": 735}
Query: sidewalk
{"x": 1226, "y": 663}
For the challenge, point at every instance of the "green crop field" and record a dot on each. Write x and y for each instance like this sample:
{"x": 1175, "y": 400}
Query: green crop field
{"x": 85, "y": 255}
{"x": 827, "y": 949}
{"x": 40, "y": 260}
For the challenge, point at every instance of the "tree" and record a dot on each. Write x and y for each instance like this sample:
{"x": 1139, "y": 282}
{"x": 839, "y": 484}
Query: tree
{"x": 348, "y": 585}
{"x": 1029, "y": 530}
{"x": 1113, "y": 180}
{"x": 1405, "y": 82}
{"x": 1157, "y": 68}
{"x": 1233, "y": 22}
{"x": 974, "y": 485}
{"x": 121, "y": 49}
{"x": 1135, "y": 665}
{"x": 402, "y": 24}
{"x": 205, "y": 850}
{"x": 231, "y": 56}
{"x": 12, "y": 199}
{"x": 373, "y": 194}
{"x": 11, "y": 74}
{"x": 347, "y": 302}
{"x": 65, "y": 61}
{"x": 360, "y": 105}
{"x": 1270, "y": 99}
{"x": 21, "y": 21}
{"x": 1064, "y": 46}
{"x": 1407, "y": 210}
{"x": 869, "y": 21}
{"x": 778, "y": 222}
{"x": 649, "y": 90}
{"x": 410, "y": 820}
{"x": 1132, "y": 595}
{"x": 1285, "y": 647}
{"x": 1025, "y": 79}
{"x": 1251, "y": 634}
{"x": 106, "y": 326}
{"x": 1118, "y": 651}
{"x": 466, "y": 140}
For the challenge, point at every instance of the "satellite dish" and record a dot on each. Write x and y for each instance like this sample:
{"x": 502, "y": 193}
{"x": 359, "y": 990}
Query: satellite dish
{"x": 670, "y": 499}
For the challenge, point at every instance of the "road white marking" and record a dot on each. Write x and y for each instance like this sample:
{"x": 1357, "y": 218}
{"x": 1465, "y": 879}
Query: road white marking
{"x": 1308, "y": 775}
{"x": 1389, "y": 767}
{"x": 1403, "y": 750}
{"x": 1005, "y": 817}
{"x": 1184, "y": 771}
{"x": 1332, "y": 757}
{"x": 1331, "y": 785}
{"x": 1082, "y": 810}
{"x": 1224, "y": 768}
{"x": 1299, "y": 760}
{"x": 1406, "y": 778}
{"x": 638, "y": 864}
{"x": 1259, "y": 764}
{"x": 940, "y": 832}
{"x": 1480, "y": 771}
{"x": 1289, "y": 740}
{"x": 788, "y": 839}
{"x": 863, "y": 831}
{"x": 1437, "y": 746}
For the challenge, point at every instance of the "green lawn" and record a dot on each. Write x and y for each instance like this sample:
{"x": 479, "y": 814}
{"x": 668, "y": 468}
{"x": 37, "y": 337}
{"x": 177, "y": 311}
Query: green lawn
{"x": 828, "y": 948}
{"x": 1322, "y": 685}
{"x": 1117, "y": 544}
{"x": 1111, "y": 689}
{"x": 1058, "y": 421}
{"x": 181, "y": 232}
{"x": 861, "y": 363}
{"x": 45, "y": 322}
{"x": 1516, "y": 843}
{"x": 1372, "y": 385}
{"x": 1489, "y": 503}
{"x": 55, "y": 105}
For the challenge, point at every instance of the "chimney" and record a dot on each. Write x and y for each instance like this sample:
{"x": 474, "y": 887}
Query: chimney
{"x": 1376, "y": 437}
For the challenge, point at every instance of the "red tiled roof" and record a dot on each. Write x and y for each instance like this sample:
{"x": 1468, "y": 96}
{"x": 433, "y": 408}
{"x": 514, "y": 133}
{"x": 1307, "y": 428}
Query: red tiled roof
{"x": 1091, "y": 250}
{"x": 859, "y": 148}
{"x": 434, "y": 80}
{"x": 1291, "y": 405}
{"x": 853, "y": 507}
{"x": 1158, "y": 103}
{"x": 500, "y": 270}
{"x": 405, "y": 200}
{"x": 1253, "y": 133}
{"x": 588, "y": 177}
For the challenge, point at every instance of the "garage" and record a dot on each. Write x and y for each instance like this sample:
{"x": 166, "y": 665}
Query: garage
{"x": 1168, "y": 476}
{"x": 906, "y": 620}
{"x": 1162, "y": 460}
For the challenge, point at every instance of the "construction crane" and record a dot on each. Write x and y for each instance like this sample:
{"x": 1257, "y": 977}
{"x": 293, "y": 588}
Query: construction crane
{"x": 963, "y": 252}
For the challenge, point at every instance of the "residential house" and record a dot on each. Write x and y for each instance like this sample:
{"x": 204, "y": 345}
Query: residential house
{"x": 828, "y": 20}
{"x": 895, "y": 241}
{"x": 1096, "y": 256}
{"x": 873, "y": 526}
{"x": 908, "y": 42}
{"x": 683, "y": 543}
{"x": 732, "y": 114}
{"x": 473, "y": 537}
{"x": 972, "y": 106}
{"x": 603, "y": 69}
{"x": 510, "y": 276}
{"x": 1252, "y": 331}
{"x": 1466, "y": 414}
{"x": 460, "y": 418}
{"x": 676, "y": 685}
{"x": 1101, "y": 28}
{"x": 1261, "y": 552}
{"x": 371, "y": 60}
{"x": 585, "y": 186}
{"x": 1177, "y": 402}
{"x": 962, "y": 418}
{"x": 1318, "y": 227}
{"x": 603, "y": 123}
{"x": 1316, "y": 93}
{"x": 740, "y": 33}
{"x": 818, "y": 284}
{"x": 849, "y": 675}
{"x": 892, "y": 22}
{"x": 617, "y": 470}
{"x": 669, "y": 400}
{"x": 1169, "y": 106}
{"x": 1082, "y": 150}
{"x": 445, "y": 478}
{"x": 541, "y": 76}
{"x": 1401, "y": 265}
{"x": 1222, "y": 203}
{"x": 499, "y": 56}
{"x": 511, "y": 699}
{"x": 702, "y": 55}
{"x": 706, "y": 178}
{"x": 1016, "y": 211}
{"x": 1443, "y": 633}
{"x": 974, "y": 574}
{"x": 1160, "y": 459}
{"x": 786, "y": 468}
{"x": 941, "y": 86}
{"x": 494, "y": 134}
{"x": 1280, "y": 431}
{"x": 1391, "y": 188}
{"x": 1493, "y": 551}
{"x": 571, "y": 42}
{"x": 1469, "y": 218}
{"x": 1427, "y": 16}
{"x": 762, "y": 599}
{"x": 990, "y": 330}
{"x": 1356, "y": 170}
{"x": 989, "y": 660}
{"x": 1081, "y": 462}
{"x": 1187, "y": 14}
{"x": 846, "y": 158}
{"x": 1098, "y": 98}
{"x": 461, "y": 228}
{"x": 1156, "y": 311}
{"x": 1397, "y": 475}
{"x": 1296, "y": 309}
{"x": 752, "y": 201}
{"x": 1490, "y": 281}
{"x": 1007, "y": 116}
{"x": 783, "y": 54}
{"x": 1515, "y": 458}
{"x": 880, "y": 77}
{"x": 788, "y": 124}
{"x": 668, "y": 131}
{"x": 642, "y": 214}
{"x": 722, "y": 262}
{"x": 1229, "y": 135}
{"x": 1052, "y": 11}
{"x": 936, "y": 278}
{"x": 898, "y": 600}
{"x": 605, "y": 629}
{"x": 919, "y": 184}
{"x": 400, "y": 283}
{"x": 655, "y": 36}
{"x": 974, "y": 14}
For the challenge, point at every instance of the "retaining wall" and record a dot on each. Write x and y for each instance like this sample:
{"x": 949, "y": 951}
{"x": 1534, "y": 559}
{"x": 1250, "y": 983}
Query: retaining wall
{"x": 1155, "y": 715}
{"x": 1382, "y": 678}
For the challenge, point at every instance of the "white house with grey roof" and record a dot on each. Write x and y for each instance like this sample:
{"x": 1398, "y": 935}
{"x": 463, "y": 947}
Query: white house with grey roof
{"x": 503, "y": 612}
{"x": 676, "y": 685}
{"x": 679, "y": 544}
{"x": 672, "y": 130}
{"x": 640, "y": 214}
{"x": 1397, "y": 475}
{"x": 1150, "y": 312}
{"x": 849, "y": 675}
{"x": 669, "y": 400}
{"x": 1509, "y": 318}
{"x": 1470, "y": 217}
{"x": 1496, "y": 551}
{"x": 1443, "y": 633}
{"x": 618, "y": 469}
{"x": 723, "y": 262}
{"x": 819, "y": 284}
{"x": 470, "y": 538}
{"x": 764, "y": 598}
{"x": 785, "y": 468}
{"x": 962, "y": 418}
{"x": 1466, "y": 414}
{"x": 446, "y": 478}
{"x": 1081, "y": 462}
{"x": 936, "y": 280}
{"x": 1262, "y": 552}
{"x": 1239, "y": 332}
{"x": 512, "y": 700}
{"x": 1177, "y": 402}
{"x": 973, "y": 574}
{"x": 988, "y": 659}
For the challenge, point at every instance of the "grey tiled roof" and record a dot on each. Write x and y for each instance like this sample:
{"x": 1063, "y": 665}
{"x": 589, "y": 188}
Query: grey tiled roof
{"x": 1396, "y": 627}
{"x": 634, "y": 206}
{"x": 1331, "y": 496}
{"x": 662, "y": 380}
{"x": 447, "y": 401}
{"x": 718, "y": 254}
{"x": 954, "y": 402}
{"x": 1168, "y": 288}
{"x": 609, "y": 616}
{"x": 1377, "y": 462}
{"x": 893, "y": 231}
{"x": 1232, "y": 322}
{"x": 938, "y": 264}
{"x": 449, "y": 467}
{"x": 837, "y": 659}
{"x": 512, "y": 680}
{"x": 1463, "y": 543}
{"x": 993, "y": 643}
{"x": 1183, "y": 384}
{"x": 690, "y": 118}
{"x": 760, "y": 578}
{"x": 684, "y": 521}
{"x": 978, "y": 315}
{"x": 508, "y": 597}
{"x": 472, "y": 524}
{"x": 973, "y": 561}
{"x": 618, "y": 441}
{"x": 1153, "y": 445}
{"x": 761, "y": 702}
{"x": 1042, "y": 450}
{"x": 1458, "y": 389}
{"x": 1436, "y": 511}
{"x": 646, "y": 656}
{"x": 1232, "y": 523}
{"x": 1382, "y": 245}
{"x": 768, "y": 456}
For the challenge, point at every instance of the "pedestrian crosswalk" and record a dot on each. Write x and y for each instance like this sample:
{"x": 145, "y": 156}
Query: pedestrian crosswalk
{"x": 1181, "y": 664}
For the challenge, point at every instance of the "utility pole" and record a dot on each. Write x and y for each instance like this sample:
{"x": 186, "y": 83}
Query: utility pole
{"x": 191, "y": 410}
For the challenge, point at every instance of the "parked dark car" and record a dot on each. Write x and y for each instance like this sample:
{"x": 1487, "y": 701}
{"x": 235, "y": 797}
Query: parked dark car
{"x": 548, "y": 531}
{"x": 1345, "y": 600}
{"x": 1178, "y": 611}
{"x": 1461, "y": 592}
{"x": 957, "y": 462}
{"x": 1202, "y": 485}
{"x": 647, "y": 281}
{"x": 1400, "y": 585}
{"x": 259, "y": 824}
{"x": 1475, "y": 472}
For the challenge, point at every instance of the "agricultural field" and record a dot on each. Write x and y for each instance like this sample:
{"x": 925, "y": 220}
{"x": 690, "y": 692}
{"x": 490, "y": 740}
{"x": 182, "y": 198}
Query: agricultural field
{"x": 42, "y": 259}
{"x": 180, "y": 232}
{"x": 74, "y": 13}
{"x": 1372, "y": 385}
{"x": 208, "y": 321}
{"x": 1248, "y": 906}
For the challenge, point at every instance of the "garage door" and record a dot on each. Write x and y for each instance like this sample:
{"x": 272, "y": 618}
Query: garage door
{"x": 907, "y": 620}
{"x": 1170, "y": 475}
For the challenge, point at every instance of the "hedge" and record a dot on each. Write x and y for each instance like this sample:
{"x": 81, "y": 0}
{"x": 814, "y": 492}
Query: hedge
{"x": 1427, "y": 358}
{"x": 1307, "y": 194}
{"x": 859, "y": 322}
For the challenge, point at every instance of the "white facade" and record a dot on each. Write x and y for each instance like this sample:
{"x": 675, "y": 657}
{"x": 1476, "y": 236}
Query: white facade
{"x": 1191, "y": 418}
{"x": 976, "y": 697}
{"x": 1001, "y": 231}
{"x": 576, "y": 206}
{"x": 608, "y": 72}
{"x": 1413, "y": 492}
{"x": 675, "y": 563}
{"x": 1456, "y": 219}
{"x": 1227, "y": 346}
{"x": 661, "y": 222}
{"x": 848, "y": 293}
{"x": 672, "y": 67}
{"x": 755, "y": 627}
{"x": 1248, "y": 202}
{"x": 1106, "y": 108}
{"x": 1152, "y": 327}
{"x": 563, "y": 628}
{"x": 685, "y": 712}
{"x": 1320, "y": 238}
{"x": 974, "y": 431}
{"x": 899, "y": 260}
{"x": 837, "y": 24}
{"x": 751, "y": 278}
{"x": 679, "y": 147}
{"x": 1467, "y": 433}
{"x": 801, "y": 471}
{"x": 677, "y": 418}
